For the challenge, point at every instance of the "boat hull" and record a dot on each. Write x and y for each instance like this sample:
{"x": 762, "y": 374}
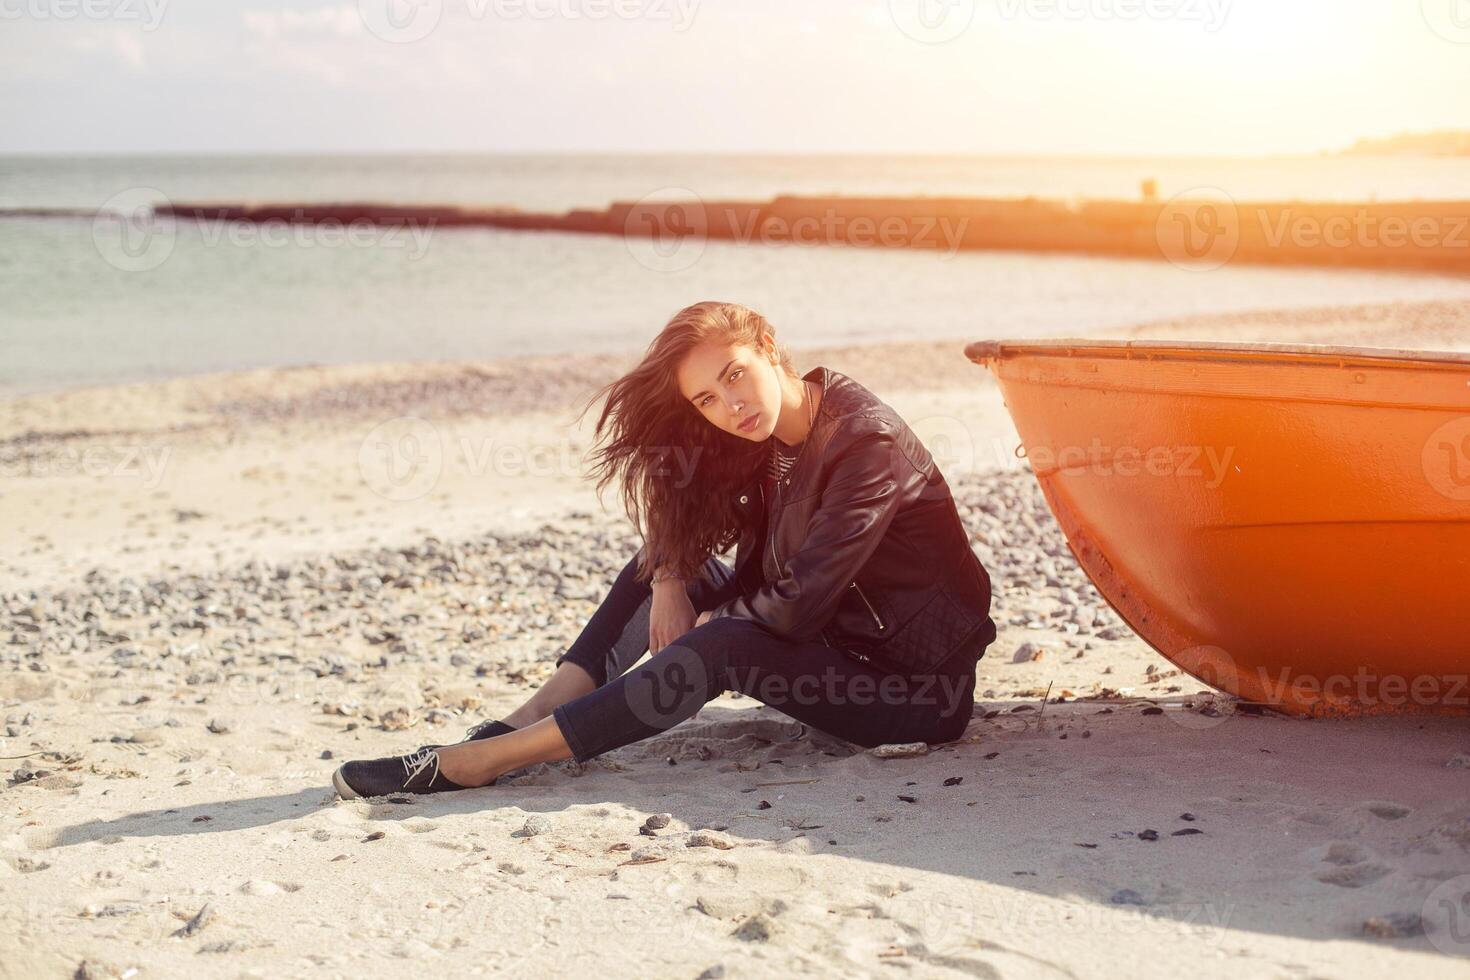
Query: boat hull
{"x": 1288, "y": 524}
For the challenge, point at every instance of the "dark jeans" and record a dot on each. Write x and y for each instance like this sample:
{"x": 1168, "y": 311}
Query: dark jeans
{"x": 816, "y": 684}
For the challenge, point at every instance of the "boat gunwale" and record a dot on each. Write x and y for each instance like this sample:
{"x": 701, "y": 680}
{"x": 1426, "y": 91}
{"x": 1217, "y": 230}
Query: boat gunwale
{"x": 1311, "y": 355}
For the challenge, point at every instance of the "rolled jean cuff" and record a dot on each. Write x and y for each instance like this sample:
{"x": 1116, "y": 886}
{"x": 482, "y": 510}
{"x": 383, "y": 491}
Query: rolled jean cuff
{"x": 597, "y": 671}
{"x": 569, "y": 734}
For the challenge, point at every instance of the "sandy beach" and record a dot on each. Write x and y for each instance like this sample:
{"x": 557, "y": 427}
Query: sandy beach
{"x": 216, "y": 588}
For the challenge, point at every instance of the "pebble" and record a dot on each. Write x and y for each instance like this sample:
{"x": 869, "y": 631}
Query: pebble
{"x": 396, "y": 720}
{"x": 535, "y": 826}
{"x": 658, "y": 821}
{"x": 710, "y": 838}
{"x": 1126, "y": 896}
{"x": 218, "y": 727}
{"x": 260, "y": 888}
{"x": 899, "y": 750}
{"x": 759, "y": 928}
{"x": 1026, "y": 652}
{"x": 1395, "y": 925}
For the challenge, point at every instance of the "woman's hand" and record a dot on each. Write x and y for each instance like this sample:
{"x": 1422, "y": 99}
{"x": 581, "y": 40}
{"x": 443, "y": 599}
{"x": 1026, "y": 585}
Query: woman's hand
{"x": 672, "y": 614}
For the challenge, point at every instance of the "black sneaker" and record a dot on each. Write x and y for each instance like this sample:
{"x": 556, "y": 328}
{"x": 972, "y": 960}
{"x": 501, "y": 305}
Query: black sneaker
{"x": 416, "y": 773}
{"x": 485, "y": 729}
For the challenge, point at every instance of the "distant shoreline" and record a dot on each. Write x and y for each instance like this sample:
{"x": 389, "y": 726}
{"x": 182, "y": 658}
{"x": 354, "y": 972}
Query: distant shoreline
{"x": 1201, "y": 233}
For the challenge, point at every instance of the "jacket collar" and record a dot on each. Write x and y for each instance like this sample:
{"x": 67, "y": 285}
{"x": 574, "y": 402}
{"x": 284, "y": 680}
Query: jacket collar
{"x": 750, "y": 494}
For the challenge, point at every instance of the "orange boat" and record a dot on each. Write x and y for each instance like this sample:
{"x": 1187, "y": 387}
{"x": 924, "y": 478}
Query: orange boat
{"x": 1290, "y": 524}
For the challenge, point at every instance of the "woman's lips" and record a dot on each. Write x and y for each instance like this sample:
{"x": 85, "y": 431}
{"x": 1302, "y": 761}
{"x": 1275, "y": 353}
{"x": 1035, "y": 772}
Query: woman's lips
{"x": 749, "y": 424}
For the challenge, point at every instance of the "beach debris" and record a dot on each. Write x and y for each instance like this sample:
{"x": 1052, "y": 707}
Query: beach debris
{"x": 375, "y": 835}
{"x": 196, "y": 924}
{"x": 217, "y": 726}
{"x": 1385, "y": 810}
{"x": 907, "y": 798}
{"x": 1126, "y": 896}
{"x": 759, "y": 928}
{"x": 102, "y": 970}
{"x": 396, "y": 720}
{"x": 1027, "y": 652}
{"x": 899, "y": 750}
{"x": 535, "y": 826}
{"x": 260, "y": 888}
{"x": 1187, "y": 831}
{"x": 709, "y": 838}
{"x": 1395, "y": 925}
{"x": 715, "y": 972}
{"x": 658, "y": 821}
{"x": 1148, "y": 835}
{"x": 954, "y": 780}
{"x": 1187, "y": 816}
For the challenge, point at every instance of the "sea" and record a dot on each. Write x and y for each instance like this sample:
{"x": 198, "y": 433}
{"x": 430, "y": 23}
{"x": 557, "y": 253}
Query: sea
{"x": 94, "y": 297}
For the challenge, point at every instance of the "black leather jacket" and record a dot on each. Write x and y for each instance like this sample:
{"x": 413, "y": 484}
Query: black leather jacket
{"x": 861, "y": 545}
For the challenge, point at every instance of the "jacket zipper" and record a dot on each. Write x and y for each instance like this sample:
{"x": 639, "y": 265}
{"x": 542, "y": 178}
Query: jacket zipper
{"x": 876, "y": 618}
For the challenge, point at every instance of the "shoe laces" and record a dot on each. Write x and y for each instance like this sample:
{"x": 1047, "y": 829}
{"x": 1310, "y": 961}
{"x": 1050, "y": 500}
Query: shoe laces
{"x": 477, "y": 729}
{"x": 416, "y": 764}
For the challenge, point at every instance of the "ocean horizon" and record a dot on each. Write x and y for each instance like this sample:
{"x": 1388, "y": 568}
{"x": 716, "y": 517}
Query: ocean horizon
{"x": 208, "y": 297}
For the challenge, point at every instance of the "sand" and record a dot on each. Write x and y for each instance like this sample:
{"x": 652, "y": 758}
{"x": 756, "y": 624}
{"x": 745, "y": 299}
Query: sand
{"x": 217, "y": 588}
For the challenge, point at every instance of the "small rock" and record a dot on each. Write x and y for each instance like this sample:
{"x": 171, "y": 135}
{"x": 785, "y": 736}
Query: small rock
{"x": 1387, "y": 811}
{"x": 218, "y": 727}
{"x": 327, "y": 754}
{"x": 1148, "y": 835}
{"x": 658, "y": 821}
{"x": 1027, "y": 652}
{"x": 535, "y": 826}
{"x": 395, "y": 720}
{"x": 758, "y": 928}
{"x": 260, "y": 888}
{"x": 710, "y": 838}
{"x": 1126, "y": 896}
{"x": 712, "y": 973}
{"x": 899, "y": 750}
{"x": 1395, "y": 925}
{"x": 98, "y": 970}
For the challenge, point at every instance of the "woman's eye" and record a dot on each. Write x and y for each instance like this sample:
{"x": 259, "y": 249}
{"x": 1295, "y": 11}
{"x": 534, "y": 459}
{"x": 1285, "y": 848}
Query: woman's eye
{"x": 735, "y": 374}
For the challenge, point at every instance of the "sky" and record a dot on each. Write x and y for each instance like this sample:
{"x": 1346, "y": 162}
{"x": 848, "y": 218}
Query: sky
{"x": 1069, "y": 77}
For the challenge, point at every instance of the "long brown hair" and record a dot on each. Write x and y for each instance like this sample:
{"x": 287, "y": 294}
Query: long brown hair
{"x": 678, "y": 472}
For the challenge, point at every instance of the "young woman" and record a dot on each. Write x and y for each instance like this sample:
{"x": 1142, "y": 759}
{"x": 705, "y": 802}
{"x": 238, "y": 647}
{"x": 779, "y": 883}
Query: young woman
{"x": 855, "y": 603}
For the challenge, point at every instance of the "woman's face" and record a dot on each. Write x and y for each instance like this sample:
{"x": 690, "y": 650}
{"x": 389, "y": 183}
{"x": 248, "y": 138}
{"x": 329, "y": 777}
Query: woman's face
{"x": 733, "y": 385}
